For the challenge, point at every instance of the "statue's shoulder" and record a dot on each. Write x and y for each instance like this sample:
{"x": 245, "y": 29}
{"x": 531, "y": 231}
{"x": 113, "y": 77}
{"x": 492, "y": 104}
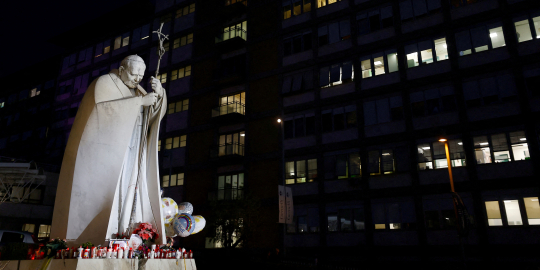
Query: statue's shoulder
{"x": 105, "y": 89}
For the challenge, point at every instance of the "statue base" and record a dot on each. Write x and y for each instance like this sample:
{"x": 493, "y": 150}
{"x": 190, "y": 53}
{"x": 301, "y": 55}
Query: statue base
{"x": 101, "y": 264}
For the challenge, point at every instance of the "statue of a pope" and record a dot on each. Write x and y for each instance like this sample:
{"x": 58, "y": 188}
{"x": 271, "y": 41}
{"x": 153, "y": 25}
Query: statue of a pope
{"x": 109, "y": 177}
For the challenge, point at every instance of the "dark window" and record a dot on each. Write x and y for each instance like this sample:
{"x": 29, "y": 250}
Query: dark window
{"x": 10, "y": 237}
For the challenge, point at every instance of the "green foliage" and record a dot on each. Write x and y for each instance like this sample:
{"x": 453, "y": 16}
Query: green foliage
{"x": 54, "y": 245}
{"x": 233, "y": 222}
{"x": 87, "y": 245}
{"x": 15, "y": 251}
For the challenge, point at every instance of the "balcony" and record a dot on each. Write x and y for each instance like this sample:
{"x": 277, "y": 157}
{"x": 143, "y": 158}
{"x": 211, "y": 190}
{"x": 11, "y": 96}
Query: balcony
{"x": 232, "y": 38}
{"x": 228, "y": 108}
{"x": 228, "y": 149}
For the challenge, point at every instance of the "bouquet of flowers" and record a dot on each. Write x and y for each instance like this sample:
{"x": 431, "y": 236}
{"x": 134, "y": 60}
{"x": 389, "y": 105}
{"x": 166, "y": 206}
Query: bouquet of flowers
{"x": 54, "y": 245}
{"x": 146, "y": 232}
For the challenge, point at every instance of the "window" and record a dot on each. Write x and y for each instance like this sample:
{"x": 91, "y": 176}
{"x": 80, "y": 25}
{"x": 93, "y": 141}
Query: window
{"x": 433, "y": 155}
{"x": 2, "y": 104}
{"x": 175, "y": 142}
{"x": 103, "y": 48}
{"x": 461, "y": 3}
{"x": 165, "y": 18}
{"x": 433, "y": 101}
{"x": 513, "y": 209}
{"x": 141, "y": 33}
{"x": 34, "y": 92}
{"x": 369, "y": 22}
{"x": 334, "y": 32}
{"x": 305, "y": 221}
{"x": 322, "y": 3}
{"x": 296, "y": 44}
{"x": 339, "y": 118}
{"x": 426, "y": 52}
{"x": 230, "y": 2}
{"x": 231, "y": 104}
{"x": 411, "y": 9}
{"x": 295, "y": 8}
{"x": 12, "y": 237}
{"x": 230, "y": 187}
{"x": 162, "y": 77}
{"x": 394, "y": 215}
{"x": 238, "y": 30}
{"x": 299, "y": 126}
{"x": 381, "y": 162}
{"x": 346, "y": 220}
{"x": 300, "y": 171}
{"x": 383, "y": 110}
{"x": 497, "y": 148}
{"x": 491, "y": 90}
{"x": 159, "y": 145}
{"x": 121, "y": 41}
{"x": 179, "y": 106}
{"x": 232, "y": 144}
{"x": 523, "y": 27}
{"x": 343, "y": 166}
{"x": 173, "y": 180}
{"x": 298, "y": 82}
{"x": 182, "y": 41}
{"x": 336, "y": 74}
{"x": 181, "y": 73}
{"x": 185, "y": 11}
{"x": 439, "y": 211}
{"x": 480, "y": 39}
{"x": 29, "y": 228}
{"x": 44, "y": 231}
{"x": 379, "y": 63}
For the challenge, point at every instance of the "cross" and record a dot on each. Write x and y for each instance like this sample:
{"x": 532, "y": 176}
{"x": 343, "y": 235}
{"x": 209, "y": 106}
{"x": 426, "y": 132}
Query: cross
{"x": 161, "y": 49}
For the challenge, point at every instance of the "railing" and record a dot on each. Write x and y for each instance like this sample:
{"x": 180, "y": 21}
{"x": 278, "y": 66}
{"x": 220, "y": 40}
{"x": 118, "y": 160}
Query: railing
{"x": 230, "y": 33}
{"x": 225, "y": 194}
{"x": 231, "y": 107}
{"x": 234, "y": 148}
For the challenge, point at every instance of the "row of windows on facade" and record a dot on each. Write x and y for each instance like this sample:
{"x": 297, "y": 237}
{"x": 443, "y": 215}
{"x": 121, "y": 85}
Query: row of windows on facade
{"x": 227, "y": 187}
{"x": 44, "y": 230}
{"x": 123, "y": 40}
{"x": 476, "y": 39}
{"x": 25, "y": 94}
{"x": 513, "y": 211}
{"x": 494, "y": 148}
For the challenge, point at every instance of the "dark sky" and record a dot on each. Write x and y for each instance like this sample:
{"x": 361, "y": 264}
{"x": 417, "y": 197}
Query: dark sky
{"x": 27, "y": 25}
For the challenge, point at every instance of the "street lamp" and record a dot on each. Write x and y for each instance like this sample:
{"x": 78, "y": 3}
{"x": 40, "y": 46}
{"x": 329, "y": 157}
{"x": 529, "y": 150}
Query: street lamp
{"x": 445, "y": 141}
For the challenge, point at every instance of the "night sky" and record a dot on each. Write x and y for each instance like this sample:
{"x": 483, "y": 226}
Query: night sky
{"x": 27, "y": 25}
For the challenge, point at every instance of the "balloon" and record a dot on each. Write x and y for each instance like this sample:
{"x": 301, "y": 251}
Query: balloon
{"x": 184, "y": 224}
{"x": 169, "y": 230}
{"x": 185, "y": 207}
{"x": 200, "y": 222}
{"x": 170, "y": 209}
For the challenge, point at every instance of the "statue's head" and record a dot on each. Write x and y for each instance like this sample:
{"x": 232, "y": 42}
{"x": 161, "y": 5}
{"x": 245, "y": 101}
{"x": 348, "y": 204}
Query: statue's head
{"x": 131, "y": 70}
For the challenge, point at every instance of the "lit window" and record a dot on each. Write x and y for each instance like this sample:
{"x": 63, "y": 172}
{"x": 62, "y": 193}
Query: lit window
{"x": 381, "y": 162}
{"x": 2, "y": 104}
{"x": 336, "y": 74}
{"x": 117, "y": 43}
{"x": 230, "y": 2}
{"x": 185, "y": 11}
{"x": 34, "y": 92}
{"x": 300, "y": 171}
{"x": 533, "y": 210}
{"x": 238, "y": 30}
{"x": 162, "y": 77}
{"x": 173, "y": 180}
{"x": 520, "y": 148}
{"x": 433, "y": 155}
{"x": 230, "y": 187}
{"x": 498, "y": 144}
{"x": 231, "y": 144}
{"x": 181, "y": 73}
{"x": 295, "y": 8}
{"x": 322, "y": 3}
{"x": 44, "y": 231}
{"x": 523, "y": 31}
{"x": 480, "y": 39}
{"x": 29, "y": 228}
{"x": 182, "y": 41}
{"x": 231, "y": 104}
{"x": 178, "y": 106}
{"x": 379, "y": 63}
{"x": 429, "y": 51}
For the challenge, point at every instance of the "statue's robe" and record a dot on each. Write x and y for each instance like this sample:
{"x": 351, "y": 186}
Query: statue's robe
{"x": 99, "y": 165}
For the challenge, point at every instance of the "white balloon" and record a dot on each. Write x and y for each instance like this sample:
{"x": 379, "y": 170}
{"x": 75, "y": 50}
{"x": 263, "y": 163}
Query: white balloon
{"x": 200, "y": 222}
{"x": 170, "y": 209}
{"x": 185, "y": 207}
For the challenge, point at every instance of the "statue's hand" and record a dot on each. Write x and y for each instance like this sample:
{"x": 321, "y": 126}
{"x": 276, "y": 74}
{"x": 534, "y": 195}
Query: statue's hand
{"x": 156, "y": 85}
{"x": 149, "y": 99}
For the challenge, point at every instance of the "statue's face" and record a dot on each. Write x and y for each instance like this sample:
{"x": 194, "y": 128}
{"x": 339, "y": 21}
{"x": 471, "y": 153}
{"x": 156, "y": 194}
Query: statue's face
{"x": 133, "y": 74}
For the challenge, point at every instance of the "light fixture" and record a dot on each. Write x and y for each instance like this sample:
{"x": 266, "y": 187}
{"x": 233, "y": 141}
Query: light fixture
{"x": 426, "y": 148}
{"x": 507, "y": 201}
{"x": 460, "y": 143}
{"x": 242, "y": 135}
{"x": 444, "y": 45}
{"x": 443, "y": 140}
{"x": 386, "y": 154}
{"x": 493, "y": 35}
{"x": 484, "y": 143}
{"x": 378, "y": 63}
{"x": 279, "y": 120}
{"x": 523, "y": 139}
{"x": 534, "y": 200}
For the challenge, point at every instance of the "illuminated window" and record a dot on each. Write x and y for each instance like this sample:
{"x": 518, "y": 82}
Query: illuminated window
{"x": 300, "y": 171}
{"x": 181, "y": 73}
{"x": 185, "y": 11}
{"x": 533, "y": 210}
{"x": 426, "y": 52}
{"x": 34, "y": 92}
{"x": 433, "y": 155}
{"x": 295, "y": 7}
{"x": 44, "y": 231}
{"x": 336, "y": 74}
{"x": 175, "y": 142}
{"x": 29, "y": 228}
{"x": 174, "y": 180}
{"x": 231, "y": 104}
{"x": 322, "y": 3}
{"x": 230, "y": 2}
{"x": 182, "y": 41}
{"x": 498, "y": 149}
{"x": 178, "y": 106}
{"x": 162, "y": 77}
{"x": 238, "y": 30}
{"x": 514, "y": 211}
{"x": 232, "y": 144}
{"x": 480, "y": 39}
{"x": 230, "y": 187}
{"x": 379, "y": 63}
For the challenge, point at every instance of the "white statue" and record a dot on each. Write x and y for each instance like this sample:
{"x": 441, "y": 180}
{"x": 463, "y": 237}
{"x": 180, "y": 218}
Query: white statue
{"x": 109, "y": 177}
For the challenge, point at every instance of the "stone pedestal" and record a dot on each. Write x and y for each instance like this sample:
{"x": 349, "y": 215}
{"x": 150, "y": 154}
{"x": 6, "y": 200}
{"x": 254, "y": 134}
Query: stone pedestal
{"x": 101, "y": 264}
